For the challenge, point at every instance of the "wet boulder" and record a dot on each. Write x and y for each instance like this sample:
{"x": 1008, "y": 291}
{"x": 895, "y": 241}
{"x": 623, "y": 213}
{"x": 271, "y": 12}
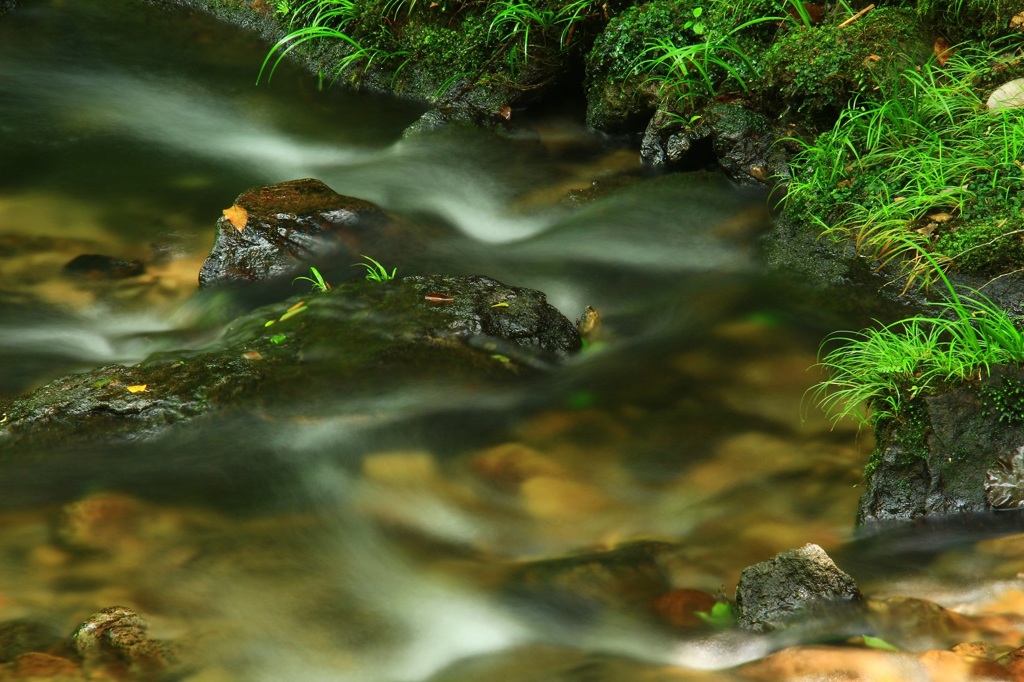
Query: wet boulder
{"x": 773, "y": 593}
{"x": 273, "y": 230}
{"x": 731, "y": 137}
{"x": 359, "y": 336}
{"x": 957, "y": 452}
{"x": 582, "y": 587}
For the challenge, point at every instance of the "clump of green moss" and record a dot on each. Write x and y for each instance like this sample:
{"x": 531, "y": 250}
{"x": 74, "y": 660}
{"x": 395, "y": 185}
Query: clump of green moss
{"x": 1004, "y": 399}
{"x": 910, "y": 435}
{"x": 962, "y": 20}
{"x": 984, "y": 247}
{"x": 616, "y": 94}
{"x": 816, "y": 71}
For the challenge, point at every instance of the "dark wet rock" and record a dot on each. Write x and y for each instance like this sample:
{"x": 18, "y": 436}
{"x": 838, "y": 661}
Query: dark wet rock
{"x": 117, "y": 636}
{"x": 773, "y": 593}
{"x": 98, "y": 266}
{"x": 739, "y": 141}
{"x": 273, "y": 230}
{"x": 7, "y": 6}
{"x": 670, "y": 143}
{"x": 450, "y": 116}
{"x": 943, "y": 456}
{"x": 356, "y": 337}
{"x": 916, "y": 624}
{"x": 581, "y": 587}
{"x": 21, "y": 636}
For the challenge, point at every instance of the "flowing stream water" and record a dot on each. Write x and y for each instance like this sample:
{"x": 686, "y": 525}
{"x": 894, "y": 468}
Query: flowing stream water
{"x": 377, "y": 540}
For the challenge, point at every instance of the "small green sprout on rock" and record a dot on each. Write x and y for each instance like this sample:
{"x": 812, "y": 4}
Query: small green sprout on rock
{"x": 375, "y": 272}
{"x": 317, "y": 280}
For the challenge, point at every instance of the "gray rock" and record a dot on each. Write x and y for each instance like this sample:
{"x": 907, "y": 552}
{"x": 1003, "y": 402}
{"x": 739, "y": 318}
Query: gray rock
{"x": 775, "y": 592}
{"x": 945, "y": 454}
{"x": 273, "y": 230}
{"x": 731, "y": 137}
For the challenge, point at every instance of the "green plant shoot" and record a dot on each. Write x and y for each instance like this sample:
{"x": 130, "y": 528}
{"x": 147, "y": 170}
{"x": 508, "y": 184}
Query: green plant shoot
{"x": 317, "y": 281}
{"x": 375, "y": 272}
{"x": 721, "y": 615}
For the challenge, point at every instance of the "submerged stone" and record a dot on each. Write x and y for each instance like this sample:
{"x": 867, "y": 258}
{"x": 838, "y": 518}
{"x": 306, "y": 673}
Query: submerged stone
{"x": 98, "y": 266}
{"x": 582, "y": 587}
{"x": 272, "y": 230}
{"x": 775, "y": 592}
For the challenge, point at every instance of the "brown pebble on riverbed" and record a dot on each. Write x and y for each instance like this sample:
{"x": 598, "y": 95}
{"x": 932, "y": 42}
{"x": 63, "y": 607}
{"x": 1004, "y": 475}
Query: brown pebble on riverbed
{"x": 508, "y": 465}
{"x": 40, "y": 666}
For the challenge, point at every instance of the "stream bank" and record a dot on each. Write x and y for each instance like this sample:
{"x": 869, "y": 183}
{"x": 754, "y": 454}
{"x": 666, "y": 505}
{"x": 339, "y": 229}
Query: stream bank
{"x": 760, "y": 112}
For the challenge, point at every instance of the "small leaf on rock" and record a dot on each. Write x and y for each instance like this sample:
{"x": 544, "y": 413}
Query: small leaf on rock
{"x": 292, "y": 312}
{"x": 877, "y": 643}
{"x": 237, "y": 216}
{"x": 137, "y": 388}
{"x": 252, "y": 355}
{"x": 943, "y": 50}
{"x": 941, "y": 217}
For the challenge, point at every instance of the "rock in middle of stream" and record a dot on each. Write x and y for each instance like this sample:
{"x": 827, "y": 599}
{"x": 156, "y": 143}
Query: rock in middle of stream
{"x": 272, "y": 230}
{"x": 359, "y": 337}
{"x": 772, "y": 593}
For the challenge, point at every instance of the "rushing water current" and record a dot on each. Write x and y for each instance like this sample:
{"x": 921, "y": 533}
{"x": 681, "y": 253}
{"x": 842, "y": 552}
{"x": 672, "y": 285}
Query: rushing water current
{"x": 384, "y": 539}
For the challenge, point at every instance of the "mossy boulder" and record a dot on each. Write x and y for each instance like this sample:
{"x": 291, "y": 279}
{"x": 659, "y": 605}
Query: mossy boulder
{"x": 358, "y": 337}
{"x": 937, "y": 458}
{"x": 815, "y": 72}
{"x": 972, "y": 19}
{"x": 619, "y": 95}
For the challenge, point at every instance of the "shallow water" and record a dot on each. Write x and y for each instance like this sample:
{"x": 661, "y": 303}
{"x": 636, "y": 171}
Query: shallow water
{"x": 377, "y": 538}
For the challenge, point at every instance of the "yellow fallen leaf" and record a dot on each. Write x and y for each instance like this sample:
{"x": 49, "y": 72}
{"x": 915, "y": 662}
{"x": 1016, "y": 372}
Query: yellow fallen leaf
{"x": 292, "y": 312}
{"x": 237, "y": 216}
{"x": 137, "y": 388}
{"x": 941, "y": 217}
{"x": 252, "y": 355}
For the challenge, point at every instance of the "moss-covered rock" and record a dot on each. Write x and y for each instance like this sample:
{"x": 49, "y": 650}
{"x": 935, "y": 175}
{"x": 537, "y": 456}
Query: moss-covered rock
{"x": 815, "y": 72}
{"x": 935, "y": 459}
{"x": 972, "y": 19}
{"x": 358, "y": 337}
{"x": 619, "y": 96}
